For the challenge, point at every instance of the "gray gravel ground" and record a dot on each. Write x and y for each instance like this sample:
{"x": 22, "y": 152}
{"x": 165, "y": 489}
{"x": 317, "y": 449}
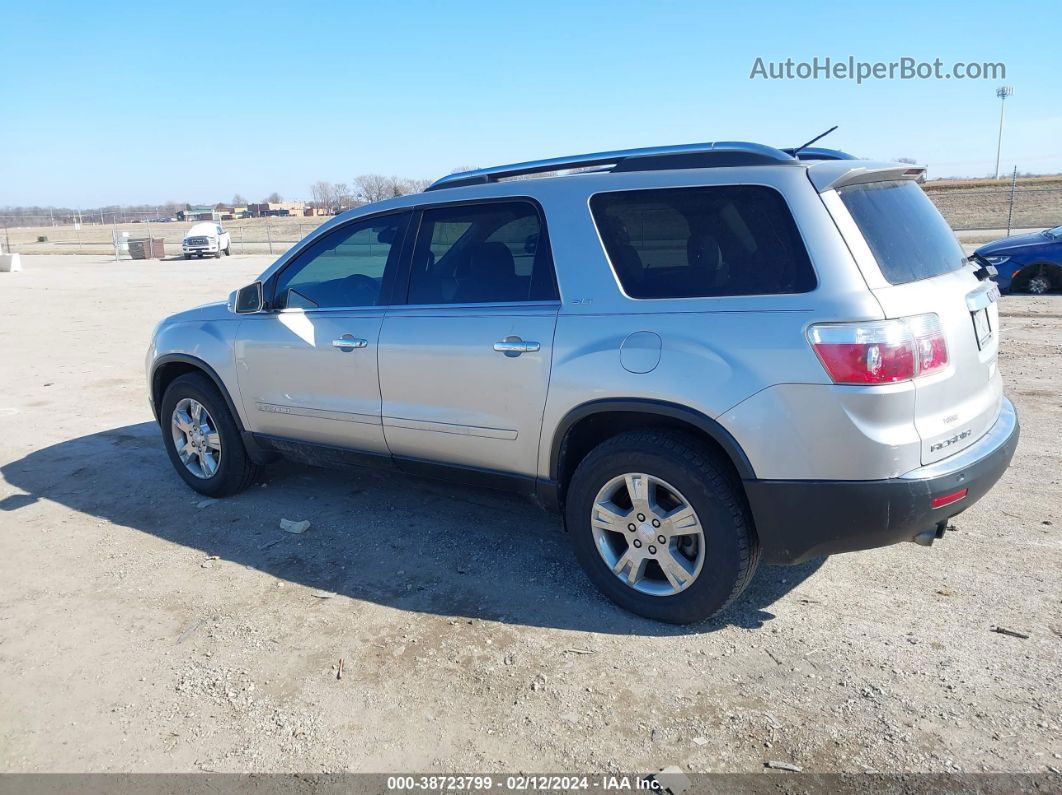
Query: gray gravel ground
{"x": 469, "y": 637}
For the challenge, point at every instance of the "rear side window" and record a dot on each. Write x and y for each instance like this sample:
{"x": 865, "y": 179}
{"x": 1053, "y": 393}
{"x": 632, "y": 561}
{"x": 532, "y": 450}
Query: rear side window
{"x": 907, "y": 235}
{"x": 700, "y": 242}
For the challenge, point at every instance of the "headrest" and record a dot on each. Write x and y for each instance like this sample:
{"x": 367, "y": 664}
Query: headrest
{"x": 702, "y": 249}
{"x": 491, "y": 259}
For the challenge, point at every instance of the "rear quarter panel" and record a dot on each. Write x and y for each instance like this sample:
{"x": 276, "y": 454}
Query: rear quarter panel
{"x": 714, "y": 353}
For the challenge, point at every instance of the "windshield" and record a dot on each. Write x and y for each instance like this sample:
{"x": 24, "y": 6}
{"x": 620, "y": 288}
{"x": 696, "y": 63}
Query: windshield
{"x": 907, "y": 235}
{"x": 1056, "y": 232}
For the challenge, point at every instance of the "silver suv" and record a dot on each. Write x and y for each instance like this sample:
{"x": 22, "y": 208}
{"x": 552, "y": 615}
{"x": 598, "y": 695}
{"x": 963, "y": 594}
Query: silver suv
{"x": 701, "y": 356}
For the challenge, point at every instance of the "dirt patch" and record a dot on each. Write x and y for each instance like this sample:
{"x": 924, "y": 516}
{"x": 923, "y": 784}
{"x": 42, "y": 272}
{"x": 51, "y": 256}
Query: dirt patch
{"x": 470, "y": 638}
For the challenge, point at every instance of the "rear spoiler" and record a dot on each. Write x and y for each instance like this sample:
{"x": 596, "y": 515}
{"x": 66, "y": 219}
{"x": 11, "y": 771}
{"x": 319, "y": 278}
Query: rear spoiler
{"x": 985, "y": 269}
{"x": 832, "y": 174}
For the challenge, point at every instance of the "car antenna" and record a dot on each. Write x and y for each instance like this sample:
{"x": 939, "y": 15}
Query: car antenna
{"x": 813, "y": 140}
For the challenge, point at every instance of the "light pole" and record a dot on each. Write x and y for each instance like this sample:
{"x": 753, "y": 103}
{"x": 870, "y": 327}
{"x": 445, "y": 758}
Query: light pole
{"x": 1002, "y": 92}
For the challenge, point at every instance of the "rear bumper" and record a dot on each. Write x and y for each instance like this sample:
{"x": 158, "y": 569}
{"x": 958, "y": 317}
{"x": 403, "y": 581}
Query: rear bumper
{"x": 801, "y": 519}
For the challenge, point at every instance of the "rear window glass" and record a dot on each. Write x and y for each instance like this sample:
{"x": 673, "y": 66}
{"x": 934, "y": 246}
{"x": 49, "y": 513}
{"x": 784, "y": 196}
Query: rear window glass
{"x": 701, "y": 242}
{"x": 907, "y": 235}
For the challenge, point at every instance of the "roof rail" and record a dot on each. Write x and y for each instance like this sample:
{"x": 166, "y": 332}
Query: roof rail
{"x": 718, "y": 153}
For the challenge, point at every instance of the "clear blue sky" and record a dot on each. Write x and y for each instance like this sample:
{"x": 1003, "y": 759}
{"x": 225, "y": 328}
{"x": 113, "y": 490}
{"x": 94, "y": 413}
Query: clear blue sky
{"x": 110, "y": 102}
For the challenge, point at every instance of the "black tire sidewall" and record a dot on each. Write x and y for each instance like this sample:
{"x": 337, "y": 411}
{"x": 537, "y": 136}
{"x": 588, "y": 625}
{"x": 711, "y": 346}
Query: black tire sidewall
{"x": 233, "y": 456}
{"x": 722, "y": 566}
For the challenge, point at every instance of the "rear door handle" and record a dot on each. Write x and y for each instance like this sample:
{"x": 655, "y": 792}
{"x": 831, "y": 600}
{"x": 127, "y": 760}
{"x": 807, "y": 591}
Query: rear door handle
{"x": 349, "y": 342}
{"x": 514, "y": 346}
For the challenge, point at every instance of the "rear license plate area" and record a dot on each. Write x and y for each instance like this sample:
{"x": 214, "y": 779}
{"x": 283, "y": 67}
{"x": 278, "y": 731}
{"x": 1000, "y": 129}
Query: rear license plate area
{"x": 982, "y": 326}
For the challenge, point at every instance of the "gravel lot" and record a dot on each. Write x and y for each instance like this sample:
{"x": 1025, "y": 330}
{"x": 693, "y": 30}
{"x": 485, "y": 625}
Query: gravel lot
{"x": 469, "y": 637}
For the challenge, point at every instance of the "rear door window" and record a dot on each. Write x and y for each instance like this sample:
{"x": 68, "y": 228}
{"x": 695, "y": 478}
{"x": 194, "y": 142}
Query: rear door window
{"x": 492, "y": 252}
{"x": 908, "y": 236}
{"x": 701, "y": 242}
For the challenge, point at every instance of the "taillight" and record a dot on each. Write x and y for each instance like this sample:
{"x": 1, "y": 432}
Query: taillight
{"x": 880, "y": 351}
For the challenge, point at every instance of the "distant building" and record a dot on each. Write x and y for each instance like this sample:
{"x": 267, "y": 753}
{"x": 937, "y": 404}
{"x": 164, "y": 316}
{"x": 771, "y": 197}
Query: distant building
{"x": 265, "y": 209}
{"x": 199, "y": 214}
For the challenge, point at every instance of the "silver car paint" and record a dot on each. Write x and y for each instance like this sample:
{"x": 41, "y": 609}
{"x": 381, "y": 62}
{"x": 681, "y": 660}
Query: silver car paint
{"x": 295, "y": 383}
{"x": 449, "y": 396}
{"x": 206, "y": 333}
{"x": 965, "y": 398}
{"x": 445, "y": 395}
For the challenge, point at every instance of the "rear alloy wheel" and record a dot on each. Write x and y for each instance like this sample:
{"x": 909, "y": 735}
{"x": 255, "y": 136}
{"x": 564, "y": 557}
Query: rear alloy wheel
{"x": 661, "y": 526}
{"x": 648, "y": 534}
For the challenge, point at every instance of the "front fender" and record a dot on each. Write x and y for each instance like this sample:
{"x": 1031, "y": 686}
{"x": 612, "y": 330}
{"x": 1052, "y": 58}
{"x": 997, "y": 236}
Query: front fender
{"x": 205, "y": 344}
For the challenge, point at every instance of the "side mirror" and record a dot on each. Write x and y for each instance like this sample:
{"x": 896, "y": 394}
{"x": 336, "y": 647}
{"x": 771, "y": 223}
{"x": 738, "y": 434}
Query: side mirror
{"x": 247, "y": 300}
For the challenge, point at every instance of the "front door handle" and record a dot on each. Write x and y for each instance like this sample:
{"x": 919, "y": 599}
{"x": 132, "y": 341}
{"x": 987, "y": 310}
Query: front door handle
{"x": 514, "y": 346}
{"x": 349, "y": 342}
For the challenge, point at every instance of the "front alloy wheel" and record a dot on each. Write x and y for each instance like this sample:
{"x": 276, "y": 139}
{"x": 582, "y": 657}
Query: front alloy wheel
{"x": 196, "y": 438}
{"x": 1039, "y": 284}
{"x": 202, "y": 439}
{"x": 648, "y": 534}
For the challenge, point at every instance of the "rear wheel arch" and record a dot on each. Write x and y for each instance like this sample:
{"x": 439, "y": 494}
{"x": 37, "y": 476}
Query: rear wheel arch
{"x": 588, "y": 425}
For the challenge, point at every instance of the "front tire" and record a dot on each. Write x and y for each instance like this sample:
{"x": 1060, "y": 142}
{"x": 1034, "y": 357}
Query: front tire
{"x": 1038, "y": 279}
{"x": 692, "y": 550}
{"x": 201, "y": 438}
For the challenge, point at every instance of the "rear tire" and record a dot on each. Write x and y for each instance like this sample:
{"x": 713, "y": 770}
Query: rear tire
{"x": 674, "y": 464}
{"x": 234, "y": 469}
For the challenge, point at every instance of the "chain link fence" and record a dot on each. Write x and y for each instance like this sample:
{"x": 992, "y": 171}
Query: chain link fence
{"x": 98, "y": 234}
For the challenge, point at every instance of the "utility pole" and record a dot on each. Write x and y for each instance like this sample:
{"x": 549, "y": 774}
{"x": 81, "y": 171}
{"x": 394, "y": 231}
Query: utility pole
{"x": 1013, "y": 186}
{"x": 1002, "y": 92}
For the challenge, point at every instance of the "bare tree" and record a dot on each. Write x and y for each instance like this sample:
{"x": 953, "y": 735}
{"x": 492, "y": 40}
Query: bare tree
{"x": 322, "y": 195}
{"x": 415, "y": 185}
{"x": 342, "y": 196}
{"x": 273, "y": 198}
{"x": 238, "y": 200}
{"x": 372, "y": 187}
{"x": 377, "y": 187}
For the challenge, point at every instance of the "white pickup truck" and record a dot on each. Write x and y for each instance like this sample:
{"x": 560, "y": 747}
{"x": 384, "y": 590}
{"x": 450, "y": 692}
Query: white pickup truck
{"x": 206, "y": 238}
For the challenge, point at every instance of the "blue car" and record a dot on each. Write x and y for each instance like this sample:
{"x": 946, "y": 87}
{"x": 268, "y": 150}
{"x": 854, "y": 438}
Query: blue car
{"x": 1029, "y": 263}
